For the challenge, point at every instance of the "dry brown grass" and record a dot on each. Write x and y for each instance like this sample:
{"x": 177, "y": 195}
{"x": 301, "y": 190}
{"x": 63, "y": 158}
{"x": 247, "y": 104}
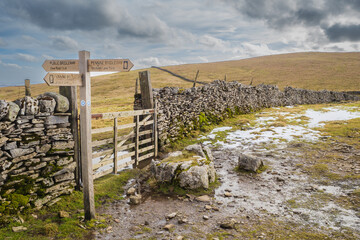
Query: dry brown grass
{"x": 333, "y": 71}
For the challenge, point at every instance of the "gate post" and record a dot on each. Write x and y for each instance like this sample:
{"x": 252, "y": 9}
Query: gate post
{"x": 71, "y": 94}
{"x": 85, "y": 134}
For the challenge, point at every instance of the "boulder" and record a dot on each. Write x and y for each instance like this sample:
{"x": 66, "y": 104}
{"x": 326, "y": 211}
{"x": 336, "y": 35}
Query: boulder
{"x": 62, "y": 103}
{"x": 47, "y": 104}
{"x": 197, "y": 149}
{"x": 4, "y": 108}
{"x": 13, "y": 112}
{"x": 249, "y": 163}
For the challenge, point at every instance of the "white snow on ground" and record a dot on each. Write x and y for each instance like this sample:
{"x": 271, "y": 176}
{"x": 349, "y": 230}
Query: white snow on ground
{"x": 111, "y": 165}
{"x": 331, "y": 114}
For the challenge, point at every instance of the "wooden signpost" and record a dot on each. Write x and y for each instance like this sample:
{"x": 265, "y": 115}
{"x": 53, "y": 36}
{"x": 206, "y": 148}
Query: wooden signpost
{"x": 84, "y": 66}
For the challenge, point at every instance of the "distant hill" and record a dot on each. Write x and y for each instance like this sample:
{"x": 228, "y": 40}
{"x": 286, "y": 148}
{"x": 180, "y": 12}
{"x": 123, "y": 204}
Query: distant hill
{"x": 332, "y": 71}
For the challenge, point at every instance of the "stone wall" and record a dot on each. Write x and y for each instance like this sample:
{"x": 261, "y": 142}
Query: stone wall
{"x": 36, "y": 152}
{"x": 182, "y": 110}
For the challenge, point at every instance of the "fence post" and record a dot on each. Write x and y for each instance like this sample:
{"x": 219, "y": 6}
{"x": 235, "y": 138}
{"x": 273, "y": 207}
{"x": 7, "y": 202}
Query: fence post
{"x": 225, "y": 78}
{"x": 85, "y": 131}
{"x": 196, "y": 77}
{"x": 115, "y": 145}
{"x": 137, "y": 141}
{"x": 27, "y": 88}
{"x": 155, "y": 131}
{"x": 71, "y": 94}
{"x": 146, "y": 90}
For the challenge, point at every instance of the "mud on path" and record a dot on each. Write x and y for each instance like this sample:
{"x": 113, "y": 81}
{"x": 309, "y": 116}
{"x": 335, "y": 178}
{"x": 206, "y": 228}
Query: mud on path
{"x": 310, "y": 189}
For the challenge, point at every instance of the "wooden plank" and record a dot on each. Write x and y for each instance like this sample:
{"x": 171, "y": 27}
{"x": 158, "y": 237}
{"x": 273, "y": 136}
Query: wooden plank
{"x": 63, "y": 79}
{"x": 146, "y": 156}
{"x": 102, "y": 142}
{"x": 149, "y": 140}
{"x": 155, "y": 131}
{"x": 124, "y": 126}
{"x": 102, "y": 163}
{"x": 145, "y": 132}
{"x": 123, "y": 139}
{"x": 101, "y": 174}
{"x": 126, "y": 155}
{"x": 102, "y": 153}
{"x": 137, "y": 127}
{"x": 27, "y": 88}
{"x": 71, "y": 94}
{"x": 85, "y": 131}
{"x": 111, "y": 115}
{"x": 125, "y": 147}
{"x": 61, "y": 65}
{"x": 115, "y": 144}
{"x": 101, "y": 130}
{"x": 146, "y": 90}
{"x": 121, "y": 166}
{"x": 146, "y": 149}
{"x": 110, "y": 65}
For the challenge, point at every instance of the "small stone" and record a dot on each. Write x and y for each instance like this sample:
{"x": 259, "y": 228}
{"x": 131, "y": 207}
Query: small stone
{"x": 227, "y": 194}
{"x": 64, "y": 214}
{"x": 169, "y": 227}
{"x": 19, "y": 229}
{"x": 179, "y": 238}
{"x": 228, "y": 224}
{"x": 183, "y": 220}
{"x": 208, "y": 207}
{"x": 205, "y": 217}
{"x": 131, "y": 191}
{"x": 117, "y": 220}
{"x": 203, "y": 198}
{"x": 171, "y": 215}
{"x": 135, "y": 199}
{"x": 146, "y": 223}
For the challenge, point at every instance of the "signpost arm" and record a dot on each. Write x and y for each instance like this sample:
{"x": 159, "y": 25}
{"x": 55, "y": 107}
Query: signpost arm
{"x": 85, "y": 130}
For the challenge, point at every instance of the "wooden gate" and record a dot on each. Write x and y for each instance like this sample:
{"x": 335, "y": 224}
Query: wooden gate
{"x": 138, "y": 143}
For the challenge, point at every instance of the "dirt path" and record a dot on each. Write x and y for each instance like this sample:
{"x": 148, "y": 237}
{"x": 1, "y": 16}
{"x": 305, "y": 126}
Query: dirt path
{"x": 298, "y": 196}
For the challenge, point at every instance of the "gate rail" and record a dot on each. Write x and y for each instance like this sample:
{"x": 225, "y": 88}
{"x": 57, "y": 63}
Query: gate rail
{"x": 138, "y": 149}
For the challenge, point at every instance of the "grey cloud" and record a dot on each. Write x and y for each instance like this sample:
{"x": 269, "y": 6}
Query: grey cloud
{"x": 88, "y": 15}
{"x": 26, "y": 57}
{"x": 338, "y": 33}
{"x": 64, "y": 43}
{"x": 2, "y": 43}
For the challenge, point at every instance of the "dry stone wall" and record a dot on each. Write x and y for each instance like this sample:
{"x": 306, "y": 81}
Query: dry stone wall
{"x": 182, "y": 110}
{"x": 36, "y": 152}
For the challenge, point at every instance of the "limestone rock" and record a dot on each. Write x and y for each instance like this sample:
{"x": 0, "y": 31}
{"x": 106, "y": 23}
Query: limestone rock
{"x": 249, "y": 163}
{"x": 131, "y": 191}
{"x": 135, "y": 199}
{"x": 64, "y": 214}
{"x": 57, "y": 119}
{"x": 62, "y": 103}
{"x": 169, "y": 227}
{"x": 28, "y": 106}
{"x": 195, "y": 177}
{"x": 13, "y": 112}
{"x": 19, "y": 229}
{"x": 196, "y": 148}
{"x": 4, "y": 108}
{"x": 18, "y": 152}
{"x": 203, "y": 198}
{"x": 46, "y": 103}
{"x": 228, "y": 224}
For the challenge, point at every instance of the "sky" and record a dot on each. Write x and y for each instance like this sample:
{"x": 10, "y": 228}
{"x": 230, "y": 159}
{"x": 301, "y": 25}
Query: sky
{"x": 167, "y": 32}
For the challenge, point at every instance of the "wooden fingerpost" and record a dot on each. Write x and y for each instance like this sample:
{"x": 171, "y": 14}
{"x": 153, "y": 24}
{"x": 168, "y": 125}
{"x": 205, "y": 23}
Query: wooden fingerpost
{"x": 115, "y": 145}
{"x": 27, "y": 88}
{"x": 85, "y": 130}
{"x": 137, "y": 141}
{"x": 196, "y": 77}
{"x": 71, "y": 94}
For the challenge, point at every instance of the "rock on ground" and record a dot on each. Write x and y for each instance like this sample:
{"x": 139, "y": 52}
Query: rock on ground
{"x": 249, "y": 163}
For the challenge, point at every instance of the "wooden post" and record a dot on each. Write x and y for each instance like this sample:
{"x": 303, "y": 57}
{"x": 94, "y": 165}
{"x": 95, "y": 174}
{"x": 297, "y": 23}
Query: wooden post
{"x": 155, "y": 131}
{"x": 71, "y": 94}
{"x": 27, "y": 88}
{"x": 115, "y": 145}
{"x": 137, "y": 141}
{"x": 225, "y": 78}
{"x": 197, "y": 74}
{"x": 146, "y": 90}
{"x": 136, "y": 85}
{"x": 85, "y": 131}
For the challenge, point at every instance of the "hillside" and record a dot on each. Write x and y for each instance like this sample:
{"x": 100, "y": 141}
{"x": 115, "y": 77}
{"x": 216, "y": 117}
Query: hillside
{"x": 332, "y": 71}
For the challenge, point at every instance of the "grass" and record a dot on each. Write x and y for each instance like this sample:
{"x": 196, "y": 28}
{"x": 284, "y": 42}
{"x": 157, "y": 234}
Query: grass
{"x": 48, "y": 225}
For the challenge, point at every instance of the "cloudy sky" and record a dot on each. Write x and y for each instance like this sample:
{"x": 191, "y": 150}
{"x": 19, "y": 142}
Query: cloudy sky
{"x": 167, "y": 32}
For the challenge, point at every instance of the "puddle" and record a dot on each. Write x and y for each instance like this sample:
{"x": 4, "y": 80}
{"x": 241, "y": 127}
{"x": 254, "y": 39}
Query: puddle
{"x": 331, "y": 114}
